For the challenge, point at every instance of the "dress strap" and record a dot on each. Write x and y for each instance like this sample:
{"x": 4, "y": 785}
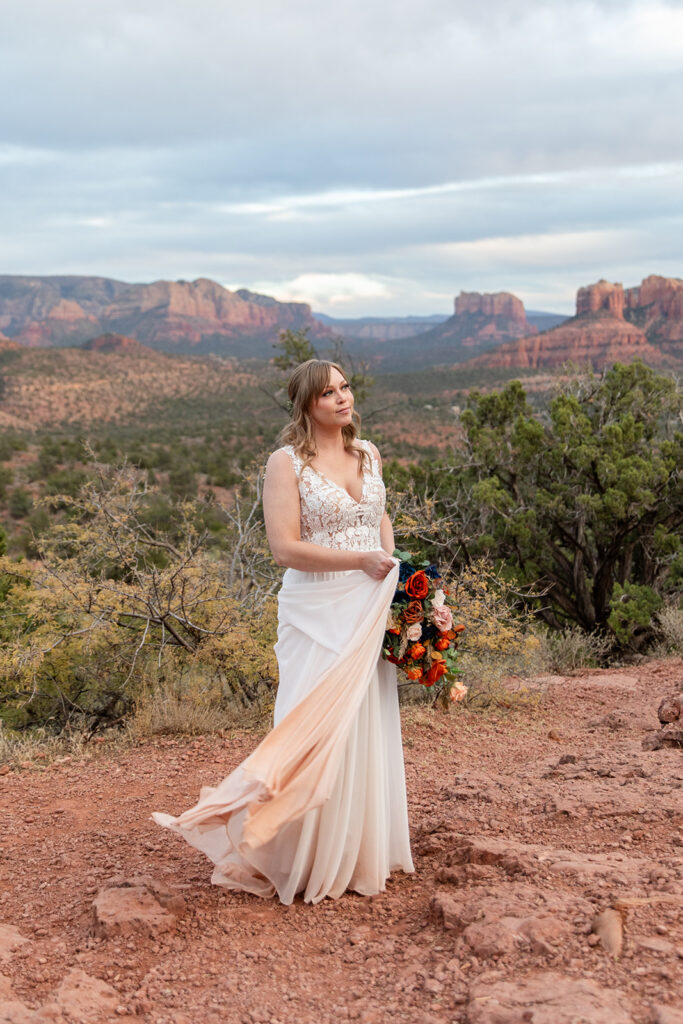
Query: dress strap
{"x": 374, "y": 464}
{"x": 297, "y": 461}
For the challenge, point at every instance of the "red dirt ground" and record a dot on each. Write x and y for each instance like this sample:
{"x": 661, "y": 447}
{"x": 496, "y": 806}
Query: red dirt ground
{"x": 494, "y": 800}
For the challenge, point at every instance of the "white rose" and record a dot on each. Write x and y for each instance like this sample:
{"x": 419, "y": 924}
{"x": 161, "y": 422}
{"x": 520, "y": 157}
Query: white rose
{"x": 414, "y": 632}
{"x": 439, "y": 598}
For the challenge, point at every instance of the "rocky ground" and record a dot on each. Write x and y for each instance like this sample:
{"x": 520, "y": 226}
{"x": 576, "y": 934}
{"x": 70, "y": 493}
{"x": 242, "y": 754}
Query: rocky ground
{"x": 548, "y": 888}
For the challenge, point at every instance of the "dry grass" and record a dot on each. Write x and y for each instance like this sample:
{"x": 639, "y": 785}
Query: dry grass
{"x": 37, "y": 746}
{"x": 669, "y": 631}
{"x": 193, "y": 710}
{"x": 568, "y": 649}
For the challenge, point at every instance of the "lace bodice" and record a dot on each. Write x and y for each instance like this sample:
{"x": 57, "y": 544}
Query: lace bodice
{"x": 330, "y": 516}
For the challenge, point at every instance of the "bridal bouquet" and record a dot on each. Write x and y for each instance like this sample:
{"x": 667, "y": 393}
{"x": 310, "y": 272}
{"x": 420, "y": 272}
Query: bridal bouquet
{"x": 421, "y": 636}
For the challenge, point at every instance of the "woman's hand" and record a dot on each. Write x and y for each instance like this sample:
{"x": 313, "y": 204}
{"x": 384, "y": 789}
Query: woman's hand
{"x": 377, "y": 564}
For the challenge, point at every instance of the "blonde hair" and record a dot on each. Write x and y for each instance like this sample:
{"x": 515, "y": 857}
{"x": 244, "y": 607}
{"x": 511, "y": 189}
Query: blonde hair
{"x": 305, "y": 385}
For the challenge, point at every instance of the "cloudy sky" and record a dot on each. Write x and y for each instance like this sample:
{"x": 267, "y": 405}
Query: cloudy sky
{"x": 370, "y": 157}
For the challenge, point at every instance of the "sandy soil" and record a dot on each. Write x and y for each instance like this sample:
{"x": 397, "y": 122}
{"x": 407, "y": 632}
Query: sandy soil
{"x": 525, "y": 825}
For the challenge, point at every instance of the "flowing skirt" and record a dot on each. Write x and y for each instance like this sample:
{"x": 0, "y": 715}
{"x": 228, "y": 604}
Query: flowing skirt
{"x": 320, "y": 805}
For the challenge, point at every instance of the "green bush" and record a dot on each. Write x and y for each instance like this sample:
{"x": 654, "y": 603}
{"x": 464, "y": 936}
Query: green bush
{"x": 632, "y": 610}
{"x": 580, "y": 499}
{"x": 20, "y": 502}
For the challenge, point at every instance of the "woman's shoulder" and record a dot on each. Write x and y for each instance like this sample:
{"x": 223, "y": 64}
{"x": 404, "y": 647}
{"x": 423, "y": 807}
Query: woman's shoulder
{"x": 284, "y": 456}
{"x": 370, "y": 448}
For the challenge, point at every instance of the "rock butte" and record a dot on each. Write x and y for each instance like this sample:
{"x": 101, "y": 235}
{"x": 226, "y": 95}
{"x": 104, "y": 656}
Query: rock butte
{"x": 611, "y": 325}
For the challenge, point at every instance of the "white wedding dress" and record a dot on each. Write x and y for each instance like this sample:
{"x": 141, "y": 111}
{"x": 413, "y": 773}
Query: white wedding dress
{"x": 320, "y": 806}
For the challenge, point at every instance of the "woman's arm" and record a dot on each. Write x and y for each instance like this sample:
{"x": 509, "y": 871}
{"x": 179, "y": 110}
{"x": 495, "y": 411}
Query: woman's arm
{"x": 386, "y": 533}
{"x": 282, "y": 514}
{"x": 386, "y": 530}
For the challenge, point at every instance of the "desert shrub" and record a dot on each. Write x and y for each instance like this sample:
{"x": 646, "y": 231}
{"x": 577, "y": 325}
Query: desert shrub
{"x": 6, "y": 478}
{"x": 564, "y": 650}
{"x": 65, "y": 481}
{"x": 37, "y": 522}
{"x": 583, "y": 499}
{"x": 632, "y": 611}
{"x": 499, "y": 647}
{"x": 182, "y": 481}
{"x": 9, "y": 444}
{"x": 670, "y": 629}
{"x": 115, "y": 606}
{"x": 40, "y": 745}
{"x": 19, "y": 503}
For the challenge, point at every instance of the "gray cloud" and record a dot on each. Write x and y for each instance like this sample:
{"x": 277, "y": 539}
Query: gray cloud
{"x": 268, "y": 144}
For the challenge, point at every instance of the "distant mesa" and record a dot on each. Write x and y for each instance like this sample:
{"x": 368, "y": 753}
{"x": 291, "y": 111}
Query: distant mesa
{"x": 485, "y": 317}
{"x": 480, "y": 322}
{"x": 497, "y": 304}
{"x": 183, "y": 316}
{"x": 612, "y": 324}
{"x": 114, "y": 343}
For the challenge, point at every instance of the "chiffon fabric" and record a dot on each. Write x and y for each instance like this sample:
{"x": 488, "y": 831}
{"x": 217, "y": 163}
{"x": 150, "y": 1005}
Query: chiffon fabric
{"x": 319, "y": 807}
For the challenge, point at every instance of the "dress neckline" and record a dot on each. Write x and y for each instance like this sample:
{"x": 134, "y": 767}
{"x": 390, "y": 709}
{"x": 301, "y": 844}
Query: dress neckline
{"x": 339, "y": 487}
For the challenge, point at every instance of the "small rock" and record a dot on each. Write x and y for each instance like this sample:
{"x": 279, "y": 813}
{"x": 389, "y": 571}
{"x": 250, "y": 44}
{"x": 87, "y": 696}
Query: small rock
{"x": 10, "y": 939}
{"x": 670, "y": 736}
{"x": 654, "y": 943}
{"x": 139, "y": 904}
{"x": 83, "y": 998}
{"x": 545, "y": 998}
{"x": 667, "y": 1015}
{"x": 609, "y": 927}
{"x": 671, "y": 709}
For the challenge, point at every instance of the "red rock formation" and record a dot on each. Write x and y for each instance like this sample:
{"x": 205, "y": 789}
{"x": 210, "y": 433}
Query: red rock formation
{"x": 603, "y": 295}
{"x": 599, "y": 342}
{"x": 479, "y": 323}
{"x": 168, "y": 314}
{"x": 656, "y": 306}
{"x": 188, "y": 311}
{"x": 497, "y": 304}
{"x": 598, "y": 335}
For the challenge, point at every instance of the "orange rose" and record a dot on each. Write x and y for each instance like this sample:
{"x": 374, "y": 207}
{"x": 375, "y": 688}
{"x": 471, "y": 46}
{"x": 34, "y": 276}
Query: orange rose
{"x": 413, "y": 613}
{"x": 438, "y": 669}
{"x": 395, "y": 631}
{"x": 413, "y": 673}
{"x": 416, "y": 651}
{"x": 442, "y": 643}
{"x": 417, "y": 585}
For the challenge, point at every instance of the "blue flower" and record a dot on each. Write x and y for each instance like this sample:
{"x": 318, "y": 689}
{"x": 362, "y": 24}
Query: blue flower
{"x": 405, "y": 570}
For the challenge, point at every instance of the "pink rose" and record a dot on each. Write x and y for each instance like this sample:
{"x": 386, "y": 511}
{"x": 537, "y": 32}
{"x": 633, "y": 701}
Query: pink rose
{"x": 441, "y": 617}
{"x": 414, "y": 632}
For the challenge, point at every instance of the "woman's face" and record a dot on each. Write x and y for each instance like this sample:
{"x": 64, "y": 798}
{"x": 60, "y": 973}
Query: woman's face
{"x": 334, "y": 405}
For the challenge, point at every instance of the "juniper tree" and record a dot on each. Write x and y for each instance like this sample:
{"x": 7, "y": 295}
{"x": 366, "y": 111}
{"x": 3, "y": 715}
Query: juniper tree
{"x": 584, "y": 499}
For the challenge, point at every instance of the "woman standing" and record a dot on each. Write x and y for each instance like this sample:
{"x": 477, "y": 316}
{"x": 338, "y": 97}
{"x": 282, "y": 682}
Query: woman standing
{"x": 320, "y": 806}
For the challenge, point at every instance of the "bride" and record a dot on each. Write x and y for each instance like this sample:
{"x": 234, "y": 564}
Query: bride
{"x": 319, "y": 807}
